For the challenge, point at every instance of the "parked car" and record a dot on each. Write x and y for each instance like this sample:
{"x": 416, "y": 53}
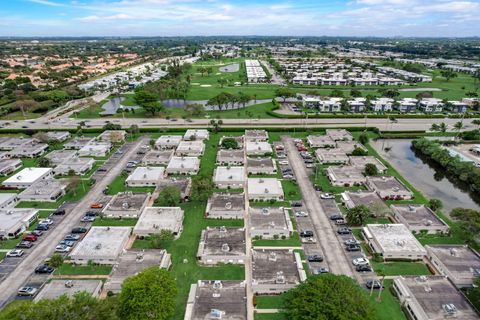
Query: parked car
{"x": 92, "y": 213}
{"x": 43, "y": 268}
{"x": 320, "y": 270}
{"x": 301, "y": 214}
{"x": 46, "y": 221}
{"x": 317, "y": 188}
{"x": 351, "y": 242}
{"x": 353, "y": 247}
{"x": 37, "y": 233}
{"x": 68, "y": 243}
{"x": 296, "y": 203}
{"x": 285, "y": 162}
{"x": 72, "y": 237}
{"x": 315, "y": 258}
{"x": 306, "y": 233}
{"x": 62, "y": 248}
{"x": 30, "y": 237}
{"x": 79, "y": 230}
{"x": 375, "y": 284}
{"x": 27, "y": 291}
{"x": 59, "y": 212}
{"x": 96, "y": 205}
{"x": 42, "y": 227}
{"x": 88, "y": 219}
{"x": 327, "y": 196}
{"x": 24, "y": 245}
{"x": 344, "y": 231}
{"x": 309, "y": 240}
{"x": 15, "y": 253}
{"x": 336, "y": 217}
{"x": 363, "y": 268}
{"x": 340, "y": 222}
{"x": 360, "y": 261}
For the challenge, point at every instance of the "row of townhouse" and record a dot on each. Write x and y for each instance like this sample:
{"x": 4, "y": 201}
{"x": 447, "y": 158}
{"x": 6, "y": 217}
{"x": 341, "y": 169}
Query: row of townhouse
{"x": 374, "y": 80}
{"x": 405, "y": 105}
{"x": 407, "y": 75}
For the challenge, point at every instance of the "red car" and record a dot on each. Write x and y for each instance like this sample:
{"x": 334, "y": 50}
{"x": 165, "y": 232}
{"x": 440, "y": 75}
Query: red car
{"x": 30, "y": 237}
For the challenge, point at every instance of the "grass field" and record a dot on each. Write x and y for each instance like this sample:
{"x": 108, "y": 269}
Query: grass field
{"x": 270, "y": 302}
{"x": 400, "y": 268}
{"x": 76, "y": 270}
{"x": 270, "y": 316}
{"x": 388, "y": 308}
{"x": 124, "y": 222}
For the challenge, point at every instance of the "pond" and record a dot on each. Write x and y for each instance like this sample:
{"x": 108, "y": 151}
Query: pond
{"x": 110, "y": 107}
{"x": 427, "y": 176}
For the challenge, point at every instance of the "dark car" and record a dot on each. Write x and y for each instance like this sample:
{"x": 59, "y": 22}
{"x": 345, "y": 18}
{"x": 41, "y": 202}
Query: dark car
{"x": 363, "y": 268}
{"x": 44, "y": 269}
{"x": 320, "y": 270}
{"x": 344, "y": 231}
{"x": 24, "y": 245}
{"x": 317, "y": 188}
{"x": 37, "y": 233}
{"x": 353, "y": 247}
{"x": 306, "y": 233}
{"x": 42, "y": 227}
{"x": 296, "y": 203}
{"x": 334, "y": 217}
{"x": 59, "y": 212}
{"x": 373, "y": 284}
{"x": 91, "y": 213}
{"x": 79, "y": 230}
{"x": 315, "y": 258}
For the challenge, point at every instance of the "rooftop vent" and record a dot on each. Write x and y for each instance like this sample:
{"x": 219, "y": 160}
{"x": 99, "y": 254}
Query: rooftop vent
{"x": 272, "y": 256}
{"x": 223, "y": 229}
{"x": 228, "y": 205}
{"x": 216, "y": 314}
{"x": 280, "y": 279}
{"x": 98, "y": 246}
{"x": 449, "y": 308}
{"x": 422, "y": 279}
{"x": 225, "y": 247}
{"x": 217, "y": 284}
{"x": 453, "y": 252}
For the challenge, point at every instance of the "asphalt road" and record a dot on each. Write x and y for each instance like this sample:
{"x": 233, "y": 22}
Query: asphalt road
{"x": 23, "y": 273}
{"x": 334, "y": 254}
{"x": 382, "y": 124}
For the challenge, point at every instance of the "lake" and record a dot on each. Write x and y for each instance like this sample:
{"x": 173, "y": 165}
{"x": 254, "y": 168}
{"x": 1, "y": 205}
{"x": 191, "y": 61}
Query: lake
{"x": 428, "y": 177}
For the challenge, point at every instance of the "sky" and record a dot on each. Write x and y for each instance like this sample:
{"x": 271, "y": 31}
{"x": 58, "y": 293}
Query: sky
{"x": 407, "y": 18}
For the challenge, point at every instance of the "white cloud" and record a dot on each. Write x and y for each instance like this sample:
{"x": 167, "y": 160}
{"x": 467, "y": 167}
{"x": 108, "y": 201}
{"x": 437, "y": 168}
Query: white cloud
{"x": 48, "y": 3}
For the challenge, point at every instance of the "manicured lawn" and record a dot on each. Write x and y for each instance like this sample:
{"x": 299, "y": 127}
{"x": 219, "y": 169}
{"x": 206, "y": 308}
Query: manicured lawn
{"x": 9, "y": 244}
{"x": 389, "y": 308}
{"x": 270, "y": 302}
{"x": 453, "y": 238}
{"x": 320, "y": 178}
{"x": 82, "y": 188}
{"x": 71, "y": 269}
{"x": 258, "y": 111}
{"x": 125, "y": 222}
{"x": 270, "y": 316}
{"x": 291, "y": 190}
{"x": 293, "y": 241}
{"x": 400, "y": 268}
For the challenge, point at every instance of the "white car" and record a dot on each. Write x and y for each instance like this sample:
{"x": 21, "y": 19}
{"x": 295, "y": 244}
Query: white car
{"x": 15, "y": 253}
{"x": 327, "y": 196}
{"x": 27, "y": 291}
{"x": 360, "y": 261}
{"x": 88, "y": 219}
{"x": 284, "y": 162}
{"x": 301, "y": 214}
{"x": 62, "y": 248}
{"x": 46, "y": 221}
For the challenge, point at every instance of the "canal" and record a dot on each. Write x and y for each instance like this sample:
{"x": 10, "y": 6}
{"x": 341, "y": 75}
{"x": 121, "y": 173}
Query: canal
{"x": 428, "y": 177}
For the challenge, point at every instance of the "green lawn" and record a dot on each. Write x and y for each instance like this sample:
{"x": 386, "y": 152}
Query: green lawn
{"x": 291, "y": 190}
{"x": 398, "y": 268}
{"x": 270, "y": 316}
{"x": 389, "y": 308}
{"x": 293, "y": 241}
{"x": 320, "y": 178}
{"x": 112, "y": 222}
{"x": 270, "y": 302}
{"x": 76, "y": 270}
{"x": 9, "y": 244}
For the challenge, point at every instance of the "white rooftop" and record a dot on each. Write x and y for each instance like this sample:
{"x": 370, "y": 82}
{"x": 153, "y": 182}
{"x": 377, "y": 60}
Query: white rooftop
{"x": 28, "y": 175}
{"x": 154, "y": 219}
{"x": 395, "y": 237}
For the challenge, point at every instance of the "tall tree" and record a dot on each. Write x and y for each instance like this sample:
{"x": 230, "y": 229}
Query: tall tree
{"x": 169, "y": 197}
{"x": 328, "y": 296}
{"x": 358, "y": 214}
{"x": 148, "y": 295}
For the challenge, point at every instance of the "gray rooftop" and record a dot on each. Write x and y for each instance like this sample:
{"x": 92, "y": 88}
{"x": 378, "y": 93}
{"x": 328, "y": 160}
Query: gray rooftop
{"x": 267, "y": 218}
{"x": 227, "y": 201}
{"x": 274, "y": 267}
{"x": 417, "y": 215}
{"x": 56, "y": 288}
{"x": 387, "y": 183}
{"x": 125, "y": 204}
{"x": 223, "y": 241}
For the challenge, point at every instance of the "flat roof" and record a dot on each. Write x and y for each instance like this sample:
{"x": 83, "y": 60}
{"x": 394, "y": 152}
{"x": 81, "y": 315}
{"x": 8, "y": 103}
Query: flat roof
{"x": 223, "y": 241}
{"x": 146, "y": 174}
{"x": 102, "y": 243}
{"x": 56, "y": 157}
{"x": 460, "y": 260}
{"x": 274, "y": 266}
{"x": 320, "y": 139}
{"x": 6, "y": 198}
{"x": 331, "y": 155}
{"x": 168, "y": 140}
{"x": 158, "y": 156}
{"x": 182, "y": 184}
{"x": 28, "y": 175}
{"x": 233, "y": 173}
{"x": 56, "y": 288}
{"x": 256, "y": 135}
{"x": 227, "y": 201}
{"x": 214, "y": 297}
{"x": 155, "y": 219}
{"x": 267, "y": 218}
{"x": 262, "y": 146}
{"x": 417, "y": 215}
{"x": 126, "y": 204}
{"x": 44, "y": 187}
{"x": 10, "y": 217}
{"x": 264, "y": 186}
{"x": 230, "y": 156}
{"x": 266, "y": 163}
{"x": 368, "y": 198}
{"x": 345, "y": 172}
{"x": 387, "y": 183}
{"x": 196, "y": 133}
{"x": 394, "y": 237}
{"x": 361, "y": 161}
{"x": 186, "y": 163}
{"x": 349, "y": 146}
{"x": 433, "y": 292}
{"x": 339, "y": 134}
{"x": 192, "y": 146}
{"x": 6, "y": 163}
{"x": 78, "y": 142}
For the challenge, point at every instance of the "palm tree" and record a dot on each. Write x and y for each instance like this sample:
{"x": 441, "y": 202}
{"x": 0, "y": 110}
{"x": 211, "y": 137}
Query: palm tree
{"x": 434, "y": 127}
{"x": 442, "y": 127}
{"x": 458, "y": 126}
{"x": 476, "y": 122}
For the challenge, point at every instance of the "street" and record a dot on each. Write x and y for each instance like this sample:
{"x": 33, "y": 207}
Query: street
{"x": 23, "y": 273}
